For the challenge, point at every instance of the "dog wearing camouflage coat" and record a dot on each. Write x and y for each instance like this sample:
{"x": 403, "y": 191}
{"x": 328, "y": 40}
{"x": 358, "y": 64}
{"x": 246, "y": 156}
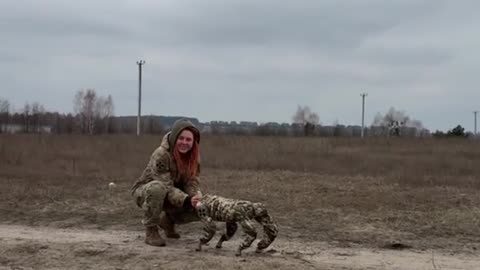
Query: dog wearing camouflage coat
{"x": 214, "y": 208}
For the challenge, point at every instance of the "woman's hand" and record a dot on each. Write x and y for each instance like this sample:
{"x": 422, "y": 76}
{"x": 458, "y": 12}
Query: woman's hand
{"x": 196, "y": 199}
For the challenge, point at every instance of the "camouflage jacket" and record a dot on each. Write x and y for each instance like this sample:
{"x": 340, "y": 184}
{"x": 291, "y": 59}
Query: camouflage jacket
{"x": 162, "y": 167}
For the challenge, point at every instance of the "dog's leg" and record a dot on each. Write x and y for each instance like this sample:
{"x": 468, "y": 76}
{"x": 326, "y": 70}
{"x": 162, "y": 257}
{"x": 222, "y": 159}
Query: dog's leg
{"x": 231, "y": 228}
{"x": 209, "y": 229}
{"x": 250, "y": 235}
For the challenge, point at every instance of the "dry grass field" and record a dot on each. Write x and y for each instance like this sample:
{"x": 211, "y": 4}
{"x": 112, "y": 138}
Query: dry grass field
{"x": 347, "y": 193}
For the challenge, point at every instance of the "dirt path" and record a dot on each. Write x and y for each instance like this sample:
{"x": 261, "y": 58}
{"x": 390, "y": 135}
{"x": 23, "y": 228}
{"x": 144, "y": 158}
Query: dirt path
{"x": 25, "y": 247}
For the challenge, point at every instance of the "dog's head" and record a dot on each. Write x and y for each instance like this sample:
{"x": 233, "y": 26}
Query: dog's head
{"x": 202, "y": 210}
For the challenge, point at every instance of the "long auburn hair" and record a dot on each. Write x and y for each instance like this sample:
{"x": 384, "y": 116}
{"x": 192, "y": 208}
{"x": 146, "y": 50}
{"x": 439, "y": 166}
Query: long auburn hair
{"x": 187, "y": 164}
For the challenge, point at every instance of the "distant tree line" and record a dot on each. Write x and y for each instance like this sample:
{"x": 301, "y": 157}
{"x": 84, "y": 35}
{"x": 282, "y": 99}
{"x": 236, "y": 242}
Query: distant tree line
{"x": 305, "y": 122}
{"x": 456, "y": 132}
{"x": 94, "y": 114}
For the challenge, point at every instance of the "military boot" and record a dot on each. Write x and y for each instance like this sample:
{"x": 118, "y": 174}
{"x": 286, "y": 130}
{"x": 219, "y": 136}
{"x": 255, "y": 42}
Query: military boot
{"x": 167, "y": 224}
{"x": 152, "y": 237}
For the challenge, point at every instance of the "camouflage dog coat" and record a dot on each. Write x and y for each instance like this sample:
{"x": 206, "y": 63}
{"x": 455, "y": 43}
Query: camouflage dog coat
{"x": 215, "y": 208}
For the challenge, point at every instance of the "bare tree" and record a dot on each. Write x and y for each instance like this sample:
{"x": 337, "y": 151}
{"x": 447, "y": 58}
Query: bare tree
{"x": 37, "y": 111}
{"x": 78, "y": 101}
{"x": 307, "y": 118}
{"x": 89, "y": 101}
{"x": 109, "y": 112}
{"x": 394, "y": 120}
{"x": 4, "y": 105}
{"x": 304, "y": 115}
{"x": 4, "y": 114}
{"x": 84, "y": 105}
{"x": 93, "y": 111}
{"x": 99, "y": 110}
{"x": 104, "y": 107}
{"x": 104, "y": 110}
{"x": 78, "y": 109}
{"x": 26, "y": 118}
{"x": 109, "y": 106}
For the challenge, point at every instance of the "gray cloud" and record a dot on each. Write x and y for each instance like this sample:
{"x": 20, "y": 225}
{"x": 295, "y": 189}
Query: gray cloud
{"x": 247, "y": 60}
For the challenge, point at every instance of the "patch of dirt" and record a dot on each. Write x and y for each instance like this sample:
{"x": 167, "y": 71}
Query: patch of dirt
{"x": 25, "y": 247}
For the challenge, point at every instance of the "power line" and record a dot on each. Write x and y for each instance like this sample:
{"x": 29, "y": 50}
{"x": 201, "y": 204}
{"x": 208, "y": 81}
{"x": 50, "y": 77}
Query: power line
{"x": 363, "y": 95}
{"x": 475, "y": 122}
{"x": 140, "y": 63}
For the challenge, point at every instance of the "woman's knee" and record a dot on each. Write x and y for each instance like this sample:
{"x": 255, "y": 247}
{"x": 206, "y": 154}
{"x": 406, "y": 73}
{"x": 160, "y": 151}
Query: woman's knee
{"x": 151, "y": 192}
{"x": 155, "y": 189}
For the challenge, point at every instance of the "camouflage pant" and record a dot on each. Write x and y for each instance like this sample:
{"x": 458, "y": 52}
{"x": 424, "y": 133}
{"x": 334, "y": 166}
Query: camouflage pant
{"x": 152, "y": 198}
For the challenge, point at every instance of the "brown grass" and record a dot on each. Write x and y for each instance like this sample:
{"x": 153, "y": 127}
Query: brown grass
{"x": 423, "y": 192}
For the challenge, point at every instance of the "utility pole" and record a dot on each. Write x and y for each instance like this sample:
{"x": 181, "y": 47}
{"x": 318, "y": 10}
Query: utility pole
{"x": 140, "y": 64}
{"x": 363, "y": 95}
{"x": 475, "y": 122}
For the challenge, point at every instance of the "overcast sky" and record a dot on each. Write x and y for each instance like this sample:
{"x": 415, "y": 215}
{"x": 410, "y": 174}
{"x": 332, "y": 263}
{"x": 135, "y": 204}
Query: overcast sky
{"x": 252, "y": 60}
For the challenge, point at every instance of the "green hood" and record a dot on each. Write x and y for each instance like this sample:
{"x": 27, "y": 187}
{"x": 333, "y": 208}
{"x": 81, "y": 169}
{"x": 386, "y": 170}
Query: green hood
{"x": 177, "y": 128}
